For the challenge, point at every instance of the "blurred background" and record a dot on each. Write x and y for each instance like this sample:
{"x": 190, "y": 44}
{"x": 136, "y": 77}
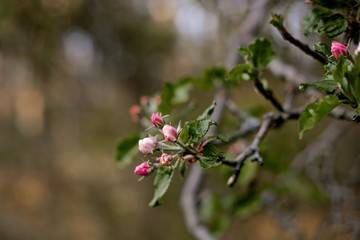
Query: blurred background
{"x": 69, "y": 72}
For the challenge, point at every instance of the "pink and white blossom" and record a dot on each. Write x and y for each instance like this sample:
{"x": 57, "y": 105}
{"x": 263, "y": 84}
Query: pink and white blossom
{"x": 337, "y": 49}
{"x": 143, "y": 169}
{"x": 157, "y": 120}
{"x": 170, "y": 133}
{"x": 147, "y": 145}
{"x": 165, "y": 159}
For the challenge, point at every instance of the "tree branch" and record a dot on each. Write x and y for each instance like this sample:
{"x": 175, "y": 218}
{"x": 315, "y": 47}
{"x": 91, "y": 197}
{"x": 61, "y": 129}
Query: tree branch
{"x": 303, "y": 47}
{"x": 267, "y": 93}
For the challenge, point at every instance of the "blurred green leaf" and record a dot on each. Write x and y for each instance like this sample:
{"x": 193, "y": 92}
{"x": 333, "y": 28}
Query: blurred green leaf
{"x": 127, "y": 149}
{"x": 326, "y": 85}
{"x": 259, "y": 54}
{"x": 174, "y": 94}
{"x": 315, "y": 112}
{"x": 332, "y": 4}
{"x": 182, "y": 168}
{"x": 248, "y": 173}
{"x": 206, "y": 162}
{"x": 208, "y": 112}
{"x": 220, "y": 137}
{"x": 240, "y": 73}
{"x": 324, "y": 23}
{"x": 277, "y": 21}
{"x": 213, "y": 77}
{"x": 195, "y": 130}
{"x": 323, "y": 48}
{"x": 247, "y": 205}
{"x": 300, "y": 188}
{"x": 161, "y": 184}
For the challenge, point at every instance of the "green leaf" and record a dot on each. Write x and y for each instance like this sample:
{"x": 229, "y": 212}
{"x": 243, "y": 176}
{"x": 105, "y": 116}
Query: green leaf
{"x": 342, "y": 75}
{"x": 212, "y": 152}
{"x": 259, "y": 54}
{"x": 240, "y": 73}
{"x": 212, "y": 157}
{"x": 208, "y": 112}
{"x": 323, "y": 48}
{"x": 325, "y": 23}
{"x": 326, "y": 85}
{"x": 161, "y": 184}
{"x": 208, "y": 162}
{"x": 213, "y": 77}
{"x": 220, "y": 137}
{"x": 195, "y": 130}
{"x": 315, "y": 112}
{"x": 332, "y": 4}
{"x": 127, "y": 149}
{"x": 248, "y": 173}
{"x": 182, "y": 168}
{"x": 356, "y": 75}
{"x": 277, "y": 21}
{"x": 174, "y": 94}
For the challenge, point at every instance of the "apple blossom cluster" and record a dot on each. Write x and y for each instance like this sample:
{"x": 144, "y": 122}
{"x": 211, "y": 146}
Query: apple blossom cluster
{"x": 151, "y": 144}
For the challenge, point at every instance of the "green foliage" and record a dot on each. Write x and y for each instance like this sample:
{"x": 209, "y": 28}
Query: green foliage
{"x": 220, "y": 137}
{"x": 182, "y": 168}
{"x": 347, "y": 77}
{"x": 195, "y": 130}
{"x": 259, "y": 54}
{"x": 240, "y": 73}
{"x": 247, "y": 205}
{"x": 174, "y": 94}
{"x": 323, "y": 48}
{"x": 332, "y": 4}
{"x": 208, "y": 162}
{"x": 127, "y": 149}
{"x": 324, "y": 23}
{"x": 277, "y": 21}
{"x": 300, "y": 188}
{"x": 212, "y": 157}
{"x": 208, "y": 112}
{"x": 248, "y": 173}
{"x": 315, "y": 112}
{"x": 326, "y": 85}
{"x": 213, "y": 77}
{"x": 161, "y": 184}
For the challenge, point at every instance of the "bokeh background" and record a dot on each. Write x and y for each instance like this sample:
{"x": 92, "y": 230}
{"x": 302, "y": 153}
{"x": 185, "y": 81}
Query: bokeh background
{"x": 69, "y": 72}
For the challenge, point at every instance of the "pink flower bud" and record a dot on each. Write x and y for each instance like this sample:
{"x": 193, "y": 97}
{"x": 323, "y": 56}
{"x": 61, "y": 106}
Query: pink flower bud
{"x": 144, "y": 100}
{"x": 165, "y": 159}
{"x": 143, "y": 169}
{"x": 170, "y": 133}
{"x": 134, "y": 112}
{"x": 147, "y": 145}
{"x": 338, "y": 48}
{"x": 157, "y": 99}
{"x": 157, "y": 120}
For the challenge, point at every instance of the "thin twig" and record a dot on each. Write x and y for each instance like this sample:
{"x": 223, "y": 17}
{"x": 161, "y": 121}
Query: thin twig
{"x": 267, "y": 93}
{"x": 303, "y": 47}
{"x": 271, "y": 120}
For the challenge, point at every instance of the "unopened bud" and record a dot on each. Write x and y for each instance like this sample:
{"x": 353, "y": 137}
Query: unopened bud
{"x": 143, "y": 169}
{"x": 170, "y": 133}
{"x": 165, "y": 159}
{"x": 157, "y": 120}
{"x": 147, "y": 145}
{"x": 337, "y": 49}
